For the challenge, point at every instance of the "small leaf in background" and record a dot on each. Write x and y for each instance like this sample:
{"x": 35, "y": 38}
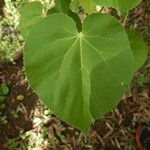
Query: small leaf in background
{"x": 79, "y": 75}
{"x": 4, "y": 121}
{"x": 4, "y": 89}
{"x": 31, "y": 13}
{"x": 143, "y": 80}
{"x": 74, "y": 6}
{"x": 20, "y": 97}
{"x": 139, "y": 48}
{"x": 2, "y": 106}
{"x": 14, "y": 113}
{"x": 62, "y": 6}
{"x": 2, "y": 98}
{"x": 120, "y": 5}
{"x": 88, "y": 5}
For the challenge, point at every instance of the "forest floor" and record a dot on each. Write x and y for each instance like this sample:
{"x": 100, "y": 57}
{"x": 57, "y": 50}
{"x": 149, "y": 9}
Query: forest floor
{"x": 26, "y": 123}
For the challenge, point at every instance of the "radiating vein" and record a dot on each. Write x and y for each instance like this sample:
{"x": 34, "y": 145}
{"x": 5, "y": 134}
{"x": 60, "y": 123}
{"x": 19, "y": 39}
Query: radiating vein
{"x": 97, "y": 50}
{"x": 69, "y": 31}
{"x": 68, "y": 52}
{"x": 97, "y": 36}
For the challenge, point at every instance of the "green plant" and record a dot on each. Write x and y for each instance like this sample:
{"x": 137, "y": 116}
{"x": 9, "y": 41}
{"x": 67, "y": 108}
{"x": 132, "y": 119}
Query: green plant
{"x": 11, "y": 40}
{"x": 20, "y": 97}
{"x": 4, "y": 90}
{"x": 14, "y": 113}
{"x": 143, "y": 79}
{"x": 2, "y": 106}
{"x": 3, "y": 120}
{"x": 80, "y": 67}
{"x": 13, "y": 144}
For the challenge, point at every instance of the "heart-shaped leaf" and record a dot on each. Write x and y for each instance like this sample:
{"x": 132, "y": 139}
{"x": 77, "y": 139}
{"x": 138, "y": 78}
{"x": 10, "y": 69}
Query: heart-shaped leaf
{"x": 80, "y": 76}
{"x": 121, "y": 5}
{"x": 139, "y": 48}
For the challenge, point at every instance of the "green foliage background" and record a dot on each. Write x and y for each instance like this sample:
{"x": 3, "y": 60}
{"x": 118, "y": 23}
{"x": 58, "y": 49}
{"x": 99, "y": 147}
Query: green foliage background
{"x": 11, "y": 41}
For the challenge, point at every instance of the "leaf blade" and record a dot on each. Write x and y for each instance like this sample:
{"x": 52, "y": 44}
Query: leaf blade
{"x": 62, "y": 6}
{"x": 122, "y": 6}
{"x": 31, "y": 13}
{"x": 61, "y": 63}
{"x": 139, "y": 48}
{"x": 88, "y": 5}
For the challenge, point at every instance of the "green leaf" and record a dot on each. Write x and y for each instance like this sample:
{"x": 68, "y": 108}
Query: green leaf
{"x": 88, "y": 5}
{"x": 2, "y": 106}
{"x": 2, "y": 98}
{"x": 31, "y": 13}
{"x": 4, "y": 89}
{"x": 20, "y": 97}
{"x": 74, "y": 5}
{"x": 62, "y": 5}
{"x": 80, "y": 76}
{"x": 121, "y": 5}
{"x": 139, "y": 48}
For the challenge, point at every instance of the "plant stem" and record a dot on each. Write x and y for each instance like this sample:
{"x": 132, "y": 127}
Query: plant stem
{"x": 125, "y": 20}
